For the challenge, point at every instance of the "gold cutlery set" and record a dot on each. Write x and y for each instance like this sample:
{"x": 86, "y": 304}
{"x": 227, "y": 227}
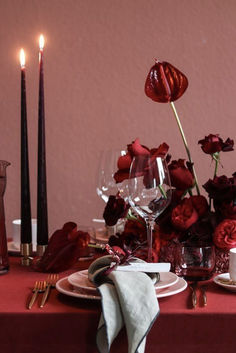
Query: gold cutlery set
{"x": 43, "y": 287}
{"x": 193, "y": 286}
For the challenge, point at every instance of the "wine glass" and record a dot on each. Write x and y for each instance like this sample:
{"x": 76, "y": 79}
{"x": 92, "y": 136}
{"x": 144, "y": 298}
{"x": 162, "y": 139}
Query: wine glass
{"x": 107, "y": 186}
{"x": 149, "y": 191}
{"x": 106, "y": 183}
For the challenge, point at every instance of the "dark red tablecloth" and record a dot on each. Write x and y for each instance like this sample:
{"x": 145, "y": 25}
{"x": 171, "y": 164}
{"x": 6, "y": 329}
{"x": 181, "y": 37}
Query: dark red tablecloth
{"x": 68, "y": 325}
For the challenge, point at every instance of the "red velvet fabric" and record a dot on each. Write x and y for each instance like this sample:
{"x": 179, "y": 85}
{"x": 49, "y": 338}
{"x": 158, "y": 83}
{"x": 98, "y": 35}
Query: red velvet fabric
{"x": 68, "y": 325}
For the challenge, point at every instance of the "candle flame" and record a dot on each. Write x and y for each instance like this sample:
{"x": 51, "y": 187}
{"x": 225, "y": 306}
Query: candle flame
{"x": 22, "y": 58}
{"x": 41, "y": 42}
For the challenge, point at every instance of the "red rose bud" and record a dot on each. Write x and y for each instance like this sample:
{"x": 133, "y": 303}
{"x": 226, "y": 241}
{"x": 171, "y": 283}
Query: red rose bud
{"x": 225, "y": 234}
{"x": 115, "y": 209}
{"x": 165, "y": 83}
{"x": 181, "y": 177}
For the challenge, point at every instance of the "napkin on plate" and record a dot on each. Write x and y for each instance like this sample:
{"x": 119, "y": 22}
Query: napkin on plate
{"x": 128, "y": 298}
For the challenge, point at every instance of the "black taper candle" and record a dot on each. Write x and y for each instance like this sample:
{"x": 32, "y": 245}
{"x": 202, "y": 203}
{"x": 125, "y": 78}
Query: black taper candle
{"x": 26, "y": 231}
{"x": 42, "y": 211}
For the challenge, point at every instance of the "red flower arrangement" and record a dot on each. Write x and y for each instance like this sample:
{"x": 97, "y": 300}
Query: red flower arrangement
{"x": 189, "y": 217}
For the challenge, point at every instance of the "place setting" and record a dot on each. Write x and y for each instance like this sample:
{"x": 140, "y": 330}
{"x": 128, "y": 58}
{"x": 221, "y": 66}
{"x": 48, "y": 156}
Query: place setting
{"x": 78, "y": 285}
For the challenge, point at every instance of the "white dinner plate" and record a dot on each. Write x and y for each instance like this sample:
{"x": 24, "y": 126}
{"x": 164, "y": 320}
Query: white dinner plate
{"x": 80, "y": 280}
{"x": 224, "y": 277}
{"x": 64, "y": 287}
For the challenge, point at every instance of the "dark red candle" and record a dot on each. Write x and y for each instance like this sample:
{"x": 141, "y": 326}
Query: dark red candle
{"x": 42, "y": 212}
{"x": 26, "y": 232}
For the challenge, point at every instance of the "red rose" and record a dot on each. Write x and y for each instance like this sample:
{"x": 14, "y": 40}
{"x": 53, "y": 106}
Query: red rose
{"x": 213, "y": 143}
{"x": 137, "y": 150}
{"x": 184, "y": 215}
{"x": 116, "y": 208}
{"x": 228, "y": 210}
{"x": 221, "y": 188}
{"x": 200, "y": 204}
{"x": 124, "y": 162}
{"x": 181, "y": 177}
{"x": 165, "y": 83}
{"x": 225, "y": 234}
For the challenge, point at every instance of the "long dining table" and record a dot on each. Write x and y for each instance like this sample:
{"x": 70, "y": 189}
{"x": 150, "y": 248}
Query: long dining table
{"x": 67, "y": 324}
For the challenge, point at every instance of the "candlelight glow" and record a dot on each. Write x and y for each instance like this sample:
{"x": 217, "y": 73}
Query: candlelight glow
{"x": 22, "y": 58}
{"x": 41, "y": 42}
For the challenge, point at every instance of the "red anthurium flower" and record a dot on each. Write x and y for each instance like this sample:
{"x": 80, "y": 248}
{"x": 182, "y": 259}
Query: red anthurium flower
{"x": 65, "y": 246}
{"x": 165, "y": 83}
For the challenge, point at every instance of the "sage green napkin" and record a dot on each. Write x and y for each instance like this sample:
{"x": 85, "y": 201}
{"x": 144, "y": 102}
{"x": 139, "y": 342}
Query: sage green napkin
{"x": 128, "y": 298}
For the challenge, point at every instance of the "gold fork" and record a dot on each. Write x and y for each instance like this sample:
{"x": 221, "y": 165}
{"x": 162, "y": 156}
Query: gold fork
{"x": 39, "y": 287}
{"x": 51, "y": 282}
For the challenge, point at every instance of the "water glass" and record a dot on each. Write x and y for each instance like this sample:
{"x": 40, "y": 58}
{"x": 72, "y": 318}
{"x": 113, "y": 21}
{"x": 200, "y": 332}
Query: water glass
{"x": 195, "y": 262}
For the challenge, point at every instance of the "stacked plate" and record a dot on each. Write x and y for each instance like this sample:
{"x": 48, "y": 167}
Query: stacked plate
{"x": 78, "y": 285}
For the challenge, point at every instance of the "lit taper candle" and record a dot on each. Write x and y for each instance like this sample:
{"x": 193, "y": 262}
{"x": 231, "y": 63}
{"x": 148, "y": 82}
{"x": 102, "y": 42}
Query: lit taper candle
{"x": 26, "y": 232}
{"x": 42, "y": 212}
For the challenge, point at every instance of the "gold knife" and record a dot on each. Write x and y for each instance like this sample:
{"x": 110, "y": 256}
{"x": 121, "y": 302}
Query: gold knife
{"x": 204, "y": 296}
{"x": 193, "y": 287}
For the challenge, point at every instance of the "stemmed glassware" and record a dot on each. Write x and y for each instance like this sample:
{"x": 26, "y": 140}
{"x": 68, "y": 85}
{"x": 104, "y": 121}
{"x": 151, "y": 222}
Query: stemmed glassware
{"x": 149, "y": 191}
{"x": 106, "y": 183}
{"x": 107, "y": 186}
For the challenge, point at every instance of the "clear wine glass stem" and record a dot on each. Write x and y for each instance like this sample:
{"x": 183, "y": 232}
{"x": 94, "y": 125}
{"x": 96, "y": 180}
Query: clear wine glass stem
{"x": 150, "y": 226}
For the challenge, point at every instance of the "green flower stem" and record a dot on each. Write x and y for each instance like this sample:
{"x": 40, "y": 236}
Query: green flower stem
{"x": 162, "y": 191}
{"x": 185, "y": 144}
{"x": 131, "y": 217}
{"x": 216, "y": 157}
{"x": 96, "y": 246}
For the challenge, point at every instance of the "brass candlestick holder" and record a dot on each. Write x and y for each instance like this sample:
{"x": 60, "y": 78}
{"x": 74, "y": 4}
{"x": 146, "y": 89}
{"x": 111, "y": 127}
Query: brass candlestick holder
{"x": 41, "y": 249}
{"x": 26, "y": 253}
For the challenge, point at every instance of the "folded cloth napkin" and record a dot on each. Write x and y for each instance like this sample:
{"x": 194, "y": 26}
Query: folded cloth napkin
{"x": 128, "y": 298}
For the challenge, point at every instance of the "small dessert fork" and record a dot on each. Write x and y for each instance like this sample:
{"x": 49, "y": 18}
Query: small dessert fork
{"x": 39, "y": 287}
{"x": 51, "y": 282}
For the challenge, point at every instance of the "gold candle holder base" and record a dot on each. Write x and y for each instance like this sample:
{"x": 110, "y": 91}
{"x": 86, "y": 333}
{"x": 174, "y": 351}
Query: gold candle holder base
{"x": 41, "y": 249}
{"x": 26, "y": 252}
